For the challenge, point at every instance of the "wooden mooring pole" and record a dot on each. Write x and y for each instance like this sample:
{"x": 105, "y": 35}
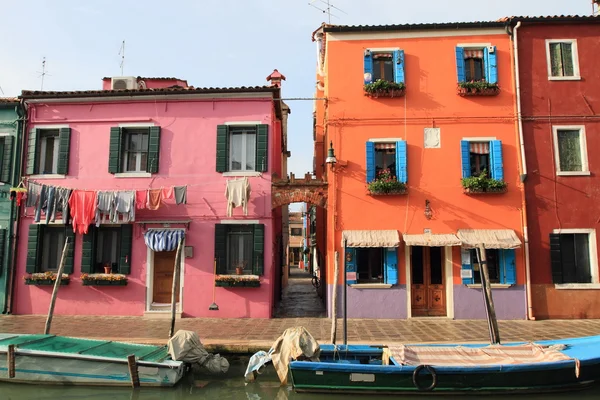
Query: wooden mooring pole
{"x": 487, "y": 296}
{"x": 133, "y": 371}
{"x": 56, "y": 286}
{"x": 175, "y": 286}
{"x": 10, "y": 362}
{"x": 334, "y": 298}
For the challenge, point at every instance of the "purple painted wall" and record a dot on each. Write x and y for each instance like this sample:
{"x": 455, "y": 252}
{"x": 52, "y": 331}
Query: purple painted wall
{"x": 371, "y": 303}
{"x": 510, "y": 303}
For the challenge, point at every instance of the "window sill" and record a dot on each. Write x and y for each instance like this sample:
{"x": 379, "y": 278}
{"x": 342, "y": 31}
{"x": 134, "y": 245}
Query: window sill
{"x": 386, "y": 93}
{"x": 564, "y": 78}
{"x": 237, "y": 281}
{"x": 466, "y": 92}
{"x": 242, "y": 173}
{"x": 573, "y": 173}
{"x": 101, "y": 280}
{"x": 401, "y": 192}
{"x": 133, "y": 175}
{"x": 493, "y": 285}
{"x": 45, "y": 282}
{"x": 371, "y": 285}
{"x": 567, "y": 286}
{"x": 486, "y": 191}
{"x": 47, "y": 176}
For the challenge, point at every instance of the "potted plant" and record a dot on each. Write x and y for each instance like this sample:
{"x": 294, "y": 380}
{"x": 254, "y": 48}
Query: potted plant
{"x": 482, "y": 184}
{"x": 478, "y": 88}
{"x": 383, "y": 88}
{"x": 107, "y": 268}
{"x": 239, "y": 267}
{"x": 386, "y": 184}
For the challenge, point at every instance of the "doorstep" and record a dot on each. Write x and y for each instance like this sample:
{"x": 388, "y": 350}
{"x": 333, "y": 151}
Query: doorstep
{"x": 154, "y": 314}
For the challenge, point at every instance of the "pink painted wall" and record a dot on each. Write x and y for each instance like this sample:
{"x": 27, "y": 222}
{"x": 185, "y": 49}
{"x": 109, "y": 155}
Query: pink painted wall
{"x": 187, "y": 156}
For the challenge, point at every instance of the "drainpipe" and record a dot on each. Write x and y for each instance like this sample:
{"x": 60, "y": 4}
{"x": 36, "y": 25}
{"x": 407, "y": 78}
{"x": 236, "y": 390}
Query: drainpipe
{"x": 17, "y": 173}
{"x": 523, "y": 176}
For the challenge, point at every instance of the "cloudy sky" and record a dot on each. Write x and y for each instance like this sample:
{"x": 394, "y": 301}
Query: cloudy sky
{"x": 210, "y": 42}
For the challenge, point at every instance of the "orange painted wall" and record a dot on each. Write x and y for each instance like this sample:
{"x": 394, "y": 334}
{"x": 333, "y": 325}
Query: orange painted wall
{"x": 434, "y": 174}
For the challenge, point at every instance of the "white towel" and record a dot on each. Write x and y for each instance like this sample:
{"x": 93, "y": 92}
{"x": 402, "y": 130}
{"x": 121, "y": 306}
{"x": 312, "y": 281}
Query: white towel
{"x": 237, "y": 193}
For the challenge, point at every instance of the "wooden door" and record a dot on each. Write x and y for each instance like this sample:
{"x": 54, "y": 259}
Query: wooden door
{"x": 164, "y": 264}
{"x": 428, "y": 292}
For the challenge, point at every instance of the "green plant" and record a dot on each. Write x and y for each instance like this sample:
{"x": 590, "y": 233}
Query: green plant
{"x": 386, "y": 183}
{"x": 381, "y": 85}
{"x": 478, "y": 85}
{"x": 496, "y": 184}
{"x": 481, "y": 183}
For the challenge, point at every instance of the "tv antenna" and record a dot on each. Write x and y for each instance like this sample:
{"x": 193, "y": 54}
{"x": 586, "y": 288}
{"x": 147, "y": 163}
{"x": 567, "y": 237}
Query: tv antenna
{"x": 122, "y": 54}
{"x": 43, "y": 73}
{"x": 325, "y": 7}
{"x": 1, "y": 91}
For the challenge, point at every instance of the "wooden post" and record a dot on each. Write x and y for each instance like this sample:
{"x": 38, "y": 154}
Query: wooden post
{"x": 176, "y": 274}
{"x": 56, "y": 286}
{"x": 487, "y": 295}
{"x": 334, "y": 298}
{"x": 133, "y": 371}
{"x": 10, "y": 362}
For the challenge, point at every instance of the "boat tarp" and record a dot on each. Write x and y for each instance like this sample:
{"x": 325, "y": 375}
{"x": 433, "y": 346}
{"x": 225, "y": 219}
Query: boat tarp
{"x": 371, "y": 238}
{"x": 186, "y": 346}
{"x": 460, "y": 356}
{"x": 294, "y": 344}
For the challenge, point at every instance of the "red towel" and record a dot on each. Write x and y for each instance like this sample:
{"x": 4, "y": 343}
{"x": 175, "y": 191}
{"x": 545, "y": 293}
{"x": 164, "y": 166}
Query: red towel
{"x": 167, "y": 193}
{"x": 83, "y": 209}
{"x": 141, "y": 198}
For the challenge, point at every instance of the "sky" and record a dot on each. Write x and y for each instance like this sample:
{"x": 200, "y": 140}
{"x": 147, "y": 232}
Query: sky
{"x": 211, "y": 43}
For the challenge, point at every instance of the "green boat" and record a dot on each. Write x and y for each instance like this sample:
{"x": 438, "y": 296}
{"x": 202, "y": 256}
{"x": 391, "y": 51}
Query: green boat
{"x": 50, "y": 359}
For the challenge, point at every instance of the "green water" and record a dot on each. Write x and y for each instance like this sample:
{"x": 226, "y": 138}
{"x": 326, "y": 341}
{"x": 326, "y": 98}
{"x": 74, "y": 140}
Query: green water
{"x": 230, "y": 387}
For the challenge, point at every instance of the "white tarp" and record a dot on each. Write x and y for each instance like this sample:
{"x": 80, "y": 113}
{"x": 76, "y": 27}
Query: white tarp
{"x": 186, "y": 346}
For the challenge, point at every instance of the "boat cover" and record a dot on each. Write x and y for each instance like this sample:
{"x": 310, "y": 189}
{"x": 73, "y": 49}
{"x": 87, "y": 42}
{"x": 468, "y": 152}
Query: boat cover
{"x": 459, "y": 356}
{"x": 186, "y": 346}
{"x": 294, "y": 344}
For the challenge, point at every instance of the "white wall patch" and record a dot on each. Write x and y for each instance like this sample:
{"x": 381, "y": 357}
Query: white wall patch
{"x": 432, "y": 138}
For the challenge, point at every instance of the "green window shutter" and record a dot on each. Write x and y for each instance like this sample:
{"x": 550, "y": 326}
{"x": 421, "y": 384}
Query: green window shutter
{"x": 3, "y": 234}
{"x": 153, "y": 149}
{"x": 7, "y": 159}
{"x": 64, "y": 140}
{"x": 258, "y": 257}
{"x": 69, "y": 234}
{"x": 125, "y": 252}
{"x": 32, "y": 143}
{"x": 33, "y": 242}
{"x": 87, "y": 251}
{"x": 222, "y": 148}
{"x": 114, "y": 157}
{"x": 221, "y": 248}
{"x": 262, "y": 148}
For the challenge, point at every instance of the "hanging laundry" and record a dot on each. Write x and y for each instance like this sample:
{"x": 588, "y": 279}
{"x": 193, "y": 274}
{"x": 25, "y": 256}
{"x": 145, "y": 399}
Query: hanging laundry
{"x": 238, "y": 194}
{"x": 50, "y": 202}
{"x": 125, "y": 207}
{"x": 19, "y": 194}
{"x": 33, "y": 194}
{"x": 141, "y": 198}
{"x": 167, "y": 193}
{"x": 41, "y": 203}
{"x": 106, "y": 207}
{"x": 82, "y": 205}
{"x": 61, "y": 204}
{"x": 154, "y": 199}
{"x": 180, "y": 194}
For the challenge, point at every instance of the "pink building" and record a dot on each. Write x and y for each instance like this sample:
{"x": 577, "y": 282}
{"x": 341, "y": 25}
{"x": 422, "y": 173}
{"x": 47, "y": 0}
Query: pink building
{"x": 144, "y": 137}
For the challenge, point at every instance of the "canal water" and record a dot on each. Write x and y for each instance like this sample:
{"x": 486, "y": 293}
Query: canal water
{"x": 229, "y": 387}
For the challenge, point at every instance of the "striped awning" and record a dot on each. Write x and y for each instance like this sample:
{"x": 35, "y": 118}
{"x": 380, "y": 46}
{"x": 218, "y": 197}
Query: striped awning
{"x": 480, "y": 147}
{"x": 163, "y": 239}
{"x": 385, "y": 146}
{"x": 473, "y": 53}
{"x": 490, "y": 238}
{"x": 374, "y": 238}
{"x": 431, "y": 240}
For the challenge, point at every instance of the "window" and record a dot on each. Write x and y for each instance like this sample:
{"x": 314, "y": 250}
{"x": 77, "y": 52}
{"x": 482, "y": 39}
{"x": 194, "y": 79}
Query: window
{"x": 371, "y": 265}
{"x": 474, "y": 70}
{"x": 482, "y": 156}
{"x": 48, "y": 151}
{"x": 296, "y": 232}
{"x": 572, "y": 254}
{"x": 387, "y": 155}
{"x": 476, "y": 63}
{"x": 107, "y": 248}
{"x": 383, "y": 67}
{"x": 6, "y": 157}
{"x": 242, "y": 148}
{"x": 45, "y": 246}
{"x": 562, "y": 59}
{"x": 387, "y": 65}
{"x": 239, "y": 245}
{"x": 570, "y": 150}
{"x": 134, "y": 149}
{"x": 500, "y": 262}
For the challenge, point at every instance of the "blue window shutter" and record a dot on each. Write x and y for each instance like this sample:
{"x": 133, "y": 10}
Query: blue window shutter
{"x": 368, "y": 71}
{"x": 510, "y": 266}
{"x": 399, "y": 66}
{"x": 460, "y": 64}
{"x": 350, "y": 265}
{"x": 465, "y": 156}
{"x": 370, "y": 162}
{"x": 467, "y": 267}
{"x": 401, "y": 162}
{"x": 496, "y": 159}
{"x": 491, "y": 65}
{"x": 391, "y": 266}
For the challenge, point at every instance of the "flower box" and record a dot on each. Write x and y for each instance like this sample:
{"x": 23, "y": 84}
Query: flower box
{"x": 464, "y": 92}
{"x": 103, "y": 280}
{"x": 387, "y": 93}
{"x": 237, "y": 283}
{"x": 382, "y": 88}
{"x": 481, "y": 184}
{"x": 485, "y": 191}
{"x": 385, "y": 184}
{"x": 397, "y": 192}
{"x": 44, "y": 279}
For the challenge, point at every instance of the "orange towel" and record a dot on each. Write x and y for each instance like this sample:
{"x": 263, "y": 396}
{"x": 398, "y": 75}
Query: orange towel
{"x": 154, "y": 199}
{"x": 83, "y": 209}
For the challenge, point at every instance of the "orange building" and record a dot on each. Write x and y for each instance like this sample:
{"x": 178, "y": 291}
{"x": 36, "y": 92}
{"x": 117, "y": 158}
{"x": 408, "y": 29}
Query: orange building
{"x": 421, "y": 119}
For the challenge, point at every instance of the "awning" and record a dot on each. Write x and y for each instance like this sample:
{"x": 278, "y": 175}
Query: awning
{"x": 163, "y": 239}
{"x": 372, "y": 238}
{"x": 431, "y": 240}
{"x": 490, "y": 238}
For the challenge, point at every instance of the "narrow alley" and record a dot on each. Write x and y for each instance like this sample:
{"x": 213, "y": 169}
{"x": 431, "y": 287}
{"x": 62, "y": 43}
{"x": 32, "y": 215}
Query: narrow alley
{"x": 300, "y": 298}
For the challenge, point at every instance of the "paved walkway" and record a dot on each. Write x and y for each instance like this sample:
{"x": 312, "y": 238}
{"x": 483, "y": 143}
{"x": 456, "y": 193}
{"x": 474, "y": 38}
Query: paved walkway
{"x": 300, "y": 298}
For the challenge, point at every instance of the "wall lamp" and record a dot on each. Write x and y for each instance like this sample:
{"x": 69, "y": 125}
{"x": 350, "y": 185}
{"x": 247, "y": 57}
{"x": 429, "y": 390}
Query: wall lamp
{"x": 331, "y": 160}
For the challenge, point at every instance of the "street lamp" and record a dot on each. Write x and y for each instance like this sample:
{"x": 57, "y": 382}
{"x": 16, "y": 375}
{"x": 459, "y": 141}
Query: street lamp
{"x": 331, "y": 155}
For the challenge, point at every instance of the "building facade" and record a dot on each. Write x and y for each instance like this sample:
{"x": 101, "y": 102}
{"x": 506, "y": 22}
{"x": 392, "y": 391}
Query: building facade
{"x": 420, "y": 119}
{"x": 559, "y": 100}
{"x": 10, "y": 128}
{"x": 198, "y": 163}
{"x": 296, "y": 238}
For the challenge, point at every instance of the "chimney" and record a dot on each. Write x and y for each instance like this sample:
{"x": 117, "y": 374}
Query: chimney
{"x": 276, "y": 78}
